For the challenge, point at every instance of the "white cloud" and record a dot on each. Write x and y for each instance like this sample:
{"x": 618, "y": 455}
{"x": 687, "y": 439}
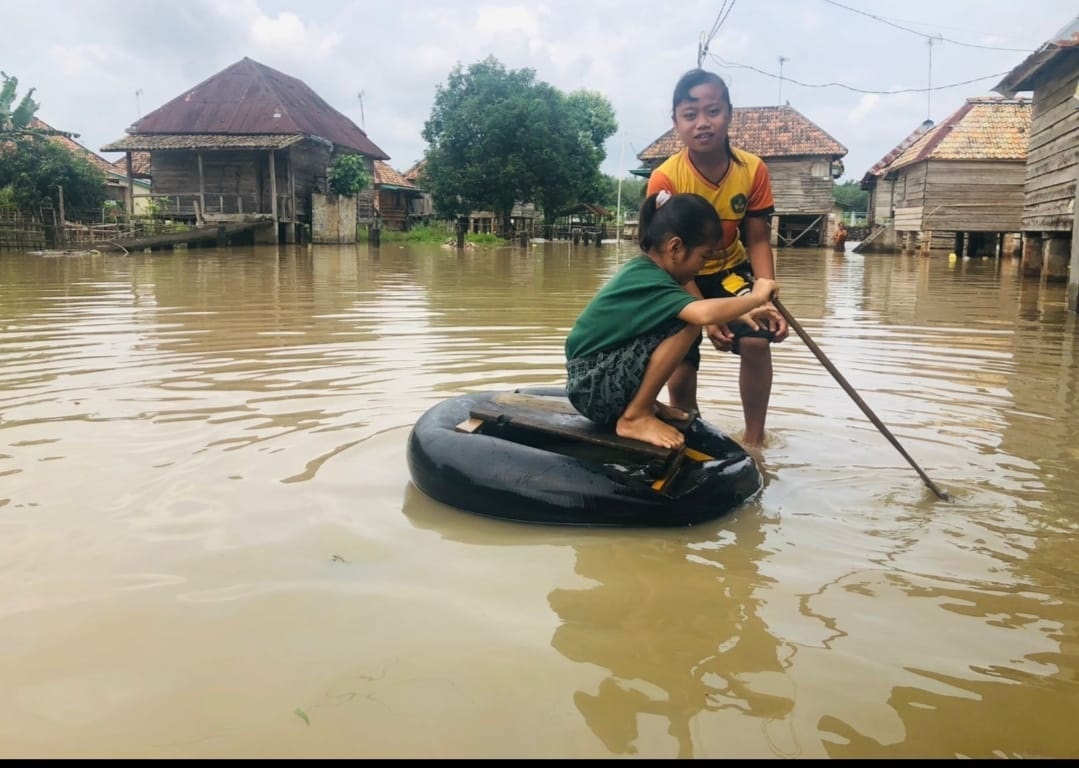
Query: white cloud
{"x": 863, "y": 108}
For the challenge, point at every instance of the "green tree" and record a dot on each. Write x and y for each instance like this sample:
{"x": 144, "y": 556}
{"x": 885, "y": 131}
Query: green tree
{"x": 851, "y": 195}
{"x": 496, "y": 137}
{"x": 15, "y": 119}
{"x": 34, "y": 167}
{"x": 349, "y": 175}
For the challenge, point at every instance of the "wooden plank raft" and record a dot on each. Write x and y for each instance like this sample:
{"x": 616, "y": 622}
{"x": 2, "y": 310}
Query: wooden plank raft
{"x": 552, "y": 414}
{"x": 555, "y": 415}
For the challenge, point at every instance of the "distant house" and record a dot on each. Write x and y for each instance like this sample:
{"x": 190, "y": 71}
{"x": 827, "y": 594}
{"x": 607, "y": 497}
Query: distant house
{"x": 522, "y": 217}
{"x": 118, "y": 187}
{"x": 399, "y": 200}
{"x": 1050, "y": 203}
{"x": 247, "y": 143}
{"x": 958, "y": 186}
{"x": 803, "y": 161}
{"x": 880, "y": 206}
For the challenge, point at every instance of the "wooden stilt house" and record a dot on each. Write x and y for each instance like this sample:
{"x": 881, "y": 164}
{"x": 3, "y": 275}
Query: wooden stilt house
{"x": 248, "y": 143}
{"x": 1050, "y": 201}
{"x": 958, "y": 187}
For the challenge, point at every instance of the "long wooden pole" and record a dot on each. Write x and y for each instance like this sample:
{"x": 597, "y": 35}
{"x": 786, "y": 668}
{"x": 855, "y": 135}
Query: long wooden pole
{"x": 854, "y": 396}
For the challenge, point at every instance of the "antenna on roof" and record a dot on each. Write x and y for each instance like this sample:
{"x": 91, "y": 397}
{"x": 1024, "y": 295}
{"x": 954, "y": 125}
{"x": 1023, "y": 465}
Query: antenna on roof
{"x": 781, "y": 60}
{"x": 929, "y": 85}
{"x": 363, "y": 120}
{"x": 138, "y": 109}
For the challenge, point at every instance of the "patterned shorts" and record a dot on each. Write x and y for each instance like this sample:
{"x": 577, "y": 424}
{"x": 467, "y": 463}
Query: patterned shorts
{"x": 601, "y": 386}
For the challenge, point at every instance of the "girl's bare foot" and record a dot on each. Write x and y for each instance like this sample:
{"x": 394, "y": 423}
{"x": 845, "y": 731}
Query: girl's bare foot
{"x": 670, "y": 413}
{"x": 650, "y": 429}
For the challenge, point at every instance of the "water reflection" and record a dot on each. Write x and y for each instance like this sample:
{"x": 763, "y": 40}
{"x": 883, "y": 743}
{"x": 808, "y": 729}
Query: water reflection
{"x": 191, "y": 437}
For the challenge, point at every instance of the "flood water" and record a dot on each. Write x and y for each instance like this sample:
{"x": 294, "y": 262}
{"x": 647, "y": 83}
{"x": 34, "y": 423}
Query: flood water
{"x": 210, "y": 544}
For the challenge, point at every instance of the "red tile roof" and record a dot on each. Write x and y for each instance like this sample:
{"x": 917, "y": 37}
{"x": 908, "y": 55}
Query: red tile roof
{"x": 768, "y": 132}
{"x": 884, "y": 162}
{"x": 385, "y": 176}
{"x": 77, "y": 149}
{"x": 985, "y": 128}
{"x": 249, "y": 98}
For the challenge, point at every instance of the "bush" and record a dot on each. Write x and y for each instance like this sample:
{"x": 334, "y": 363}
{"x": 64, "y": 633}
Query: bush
{"x": 348, "y": 175}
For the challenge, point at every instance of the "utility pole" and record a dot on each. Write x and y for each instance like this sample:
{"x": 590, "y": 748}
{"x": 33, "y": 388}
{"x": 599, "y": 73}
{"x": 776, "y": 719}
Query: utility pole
{"x": 781, "y": 60}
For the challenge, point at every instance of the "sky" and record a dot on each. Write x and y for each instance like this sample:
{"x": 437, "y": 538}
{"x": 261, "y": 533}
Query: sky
{"x": 867, "y": 72}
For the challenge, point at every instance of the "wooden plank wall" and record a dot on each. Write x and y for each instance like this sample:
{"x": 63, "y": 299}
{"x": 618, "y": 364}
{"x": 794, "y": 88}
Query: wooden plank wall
{"x": 801, "y": 185}
{"x": 237, "y": 181}
{"x": 961, "y": 196}
{"x": 1049, "y": 188}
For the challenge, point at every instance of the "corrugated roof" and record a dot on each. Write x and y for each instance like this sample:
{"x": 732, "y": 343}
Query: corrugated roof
{"x": 985, "y": 128}
{"x": 764, "y": 131}
{"x": 249, "y": 99}
{"x": 1064, "y": 45}
{"x": 150, "y": 142}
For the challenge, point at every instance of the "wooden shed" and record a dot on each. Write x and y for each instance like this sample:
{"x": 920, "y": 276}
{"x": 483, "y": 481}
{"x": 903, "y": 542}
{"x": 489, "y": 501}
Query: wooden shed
{"x": 399, "y": 200}
{"x": 803, "y": 161}
{"x": 1050, "y": 204}
{"x": 958, "y": 187}
{"x": 249, "y": 143}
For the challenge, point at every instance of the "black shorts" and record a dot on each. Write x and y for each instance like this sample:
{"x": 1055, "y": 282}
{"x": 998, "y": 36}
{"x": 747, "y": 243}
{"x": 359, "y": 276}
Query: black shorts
{"x": 711, "y": 287}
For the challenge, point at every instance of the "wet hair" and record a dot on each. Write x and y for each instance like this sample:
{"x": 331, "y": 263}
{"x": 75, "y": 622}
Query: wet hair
{"x": 691, "y": 80}
{"x": 687, "y": 215}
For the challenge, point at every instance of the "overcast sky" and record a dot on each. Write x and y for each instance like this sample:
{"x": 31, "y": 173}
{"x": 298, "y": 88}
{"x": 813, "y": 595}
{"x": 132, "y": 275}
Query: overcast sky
{"x": 98, "y": 65}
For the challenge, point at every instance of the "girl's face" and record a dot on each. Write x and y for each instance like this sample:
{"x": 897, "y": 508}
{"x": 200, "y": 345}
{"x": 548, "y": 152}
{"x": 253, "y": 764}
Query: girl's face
{"x": 702, "y": 120}
{"x": 684, "y": 264}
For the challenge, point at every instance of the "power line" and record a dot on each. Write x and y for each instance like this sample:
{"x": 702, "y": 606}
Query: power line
{"x": 939, "y": 38}
{"x": 736, "y": 65}
{"x": 721, "y": 17}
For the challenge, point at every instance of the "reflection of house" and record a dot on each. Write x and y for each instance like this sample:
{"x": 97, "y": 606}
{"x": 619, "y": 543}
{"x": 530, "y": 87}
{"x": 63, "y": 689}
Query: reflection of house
{"x": 399, "y": 201}
{"x": 802, "y": 159}
{"x": 247, "y": 143}
{"x": 958, "y": 186}
{"x": 117, "y": 184}
{"x": 1050, "y": 193}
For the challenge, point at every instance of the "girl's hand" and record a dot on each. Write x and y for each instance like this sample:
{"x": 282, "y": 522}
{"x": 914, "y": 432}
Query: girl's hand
{"x": 721, "y": 337}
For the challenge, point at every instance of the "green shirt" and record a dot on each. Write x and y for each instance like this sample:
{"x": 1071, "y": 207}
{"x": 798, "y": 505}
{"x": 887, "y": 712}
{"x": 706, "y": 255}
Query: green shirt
{"x": 641, "y": 298}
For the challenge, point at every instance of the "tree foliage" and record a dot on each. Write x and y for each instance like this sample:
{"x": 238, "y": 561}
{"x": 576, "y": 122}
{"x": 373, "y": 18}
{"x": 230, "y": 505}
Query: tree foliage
{"x": 33, "y": 167}
{"x": 15, "y": 119}
{"x": 349, "y": 175}
{"x": 851, "y": 195}
{"x": 497, "y": 137}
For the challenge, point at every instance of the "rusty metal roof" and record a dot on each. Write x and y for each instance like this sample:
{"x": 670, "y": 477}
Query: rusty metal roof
{"x": 1062, "y": 49}
{"x": 251, "y": 99}
{"x": 767, "y": 132}
{"x": 985, "y": 128}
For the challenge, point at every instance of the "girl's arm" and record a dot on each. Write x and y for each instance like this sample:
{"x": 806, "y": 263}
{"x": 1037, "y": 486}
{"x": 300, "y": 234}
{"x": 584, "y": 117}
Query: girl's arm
{"x": 717, "y": 311}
